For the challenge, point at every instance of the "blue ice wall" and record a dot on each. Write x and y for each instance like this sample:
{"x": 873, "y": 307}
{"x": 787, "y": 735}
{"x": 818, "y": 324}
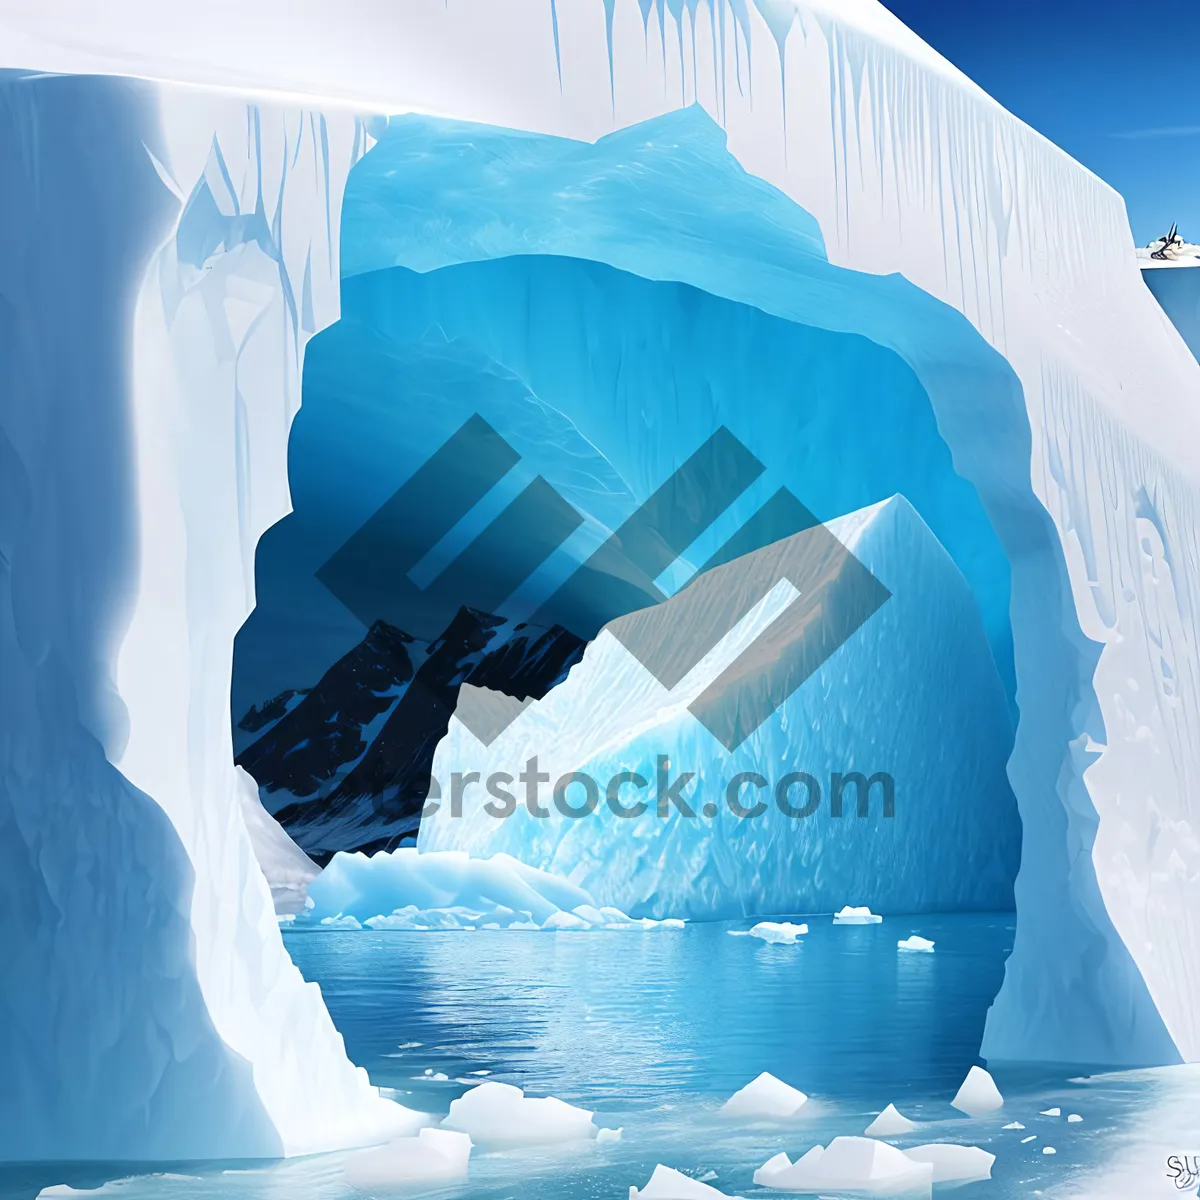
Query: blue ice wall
{"x": 1177, "y": 289}
{"x": 534, "y": 280}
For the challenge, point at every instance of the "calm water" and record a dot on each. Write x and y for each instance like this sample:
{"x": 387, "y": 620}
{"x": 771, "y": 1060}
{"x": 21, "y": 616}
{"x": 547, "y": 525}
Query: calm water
{"x": 654, "y": 1030}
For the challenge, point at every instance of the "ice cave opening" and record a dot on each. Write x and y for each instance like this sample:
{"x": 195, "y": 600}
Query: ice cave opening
{"x": 589, "y": 317}
{"x": 521, "y": 280}
{"x": 556, "y": 327}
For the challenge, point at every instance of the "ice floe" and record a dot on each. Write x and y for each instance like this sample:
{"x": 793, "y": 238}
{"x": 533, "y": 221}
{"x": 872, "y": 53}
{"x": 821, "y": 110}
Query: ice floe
{"x": 500, "y": 1115}
{"x": 779, "y": 932}
{"x": 916, "y": 943}
{"x": 433, "y": 1156}
{"x": 860, "y": 1165}
{"x": 669, "y": 1184}
{"x": 953, "y": 1163}
{"x": 765, "y": 1097}
{"x": 856, "y": 916}
{"x": 889, "y": 1123}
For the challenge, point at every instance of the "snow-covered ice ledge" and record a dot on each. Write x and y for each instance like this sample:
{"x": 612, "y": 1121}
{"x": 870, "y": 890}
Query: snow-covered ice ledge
{"x": 118, "y": 610}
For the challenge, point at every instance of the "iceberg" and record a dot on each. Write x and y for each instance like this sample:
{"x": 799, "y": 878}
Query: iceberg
{"x": 978, "y": 1094}
{"x": 890, "y": 1123}
{"x": 500, "y": 1115}
{"x": 841, "y": 808}
{"x": 765, "y": 1097}
{"x": 777, "y": 932}
{"x": 914, "y": 942}
{"x": 192, "y": 248}
{"x": 406, "y": 889}
{"x": 856, "y": 916}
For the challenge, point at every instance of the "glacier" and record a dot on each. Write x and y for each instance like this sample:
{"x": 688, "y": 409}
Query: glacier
{"x": 914, "y": 686}
{"x": 188, "y": 236}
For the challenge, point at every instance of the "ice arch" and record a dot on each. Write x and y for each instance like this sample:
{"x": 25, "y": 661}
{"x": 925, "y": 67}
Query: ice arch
{"x": 908, "y": 168}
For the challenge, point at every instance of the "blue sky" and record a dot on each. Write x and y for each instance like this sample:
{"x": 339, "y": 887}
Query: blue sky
{"x": 1115, "y": 85}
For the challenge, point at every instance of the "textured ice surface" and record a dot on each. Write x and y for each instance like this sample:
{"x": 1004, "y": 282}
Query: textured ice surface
{"x": 913, "y": 694}
{"x": 114, "y": 688}
{"x": 366, "y": 886}
{"x": 765, "y": 1096}
{"x": 915, "y": 943}
{"x": 978, "y": 1094}
{"x": 499, "y": 1115}
{"x": 446, "y": 889}
{"x": 433, "y": 1156}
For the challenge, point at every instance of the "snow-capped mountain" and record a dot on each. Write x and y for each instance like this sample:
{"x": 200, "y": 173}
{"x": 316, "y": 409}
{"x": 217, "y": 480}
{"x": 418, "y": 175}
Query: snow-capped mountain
{"x": 344, "y": 765}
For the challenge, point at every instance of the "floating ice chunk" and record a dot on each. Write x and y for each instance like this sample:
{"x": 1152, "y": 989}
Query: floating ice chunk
{"x": 608, "y": 1135}
{"x": 565, "y": 920}
{"x": 779, "y": 932}
{"x": 668, "y": 1184}
{"x": 340, "y": 922}
{"x": 860, "y": 1165}
{"x": 1050, "y": 1112}
{"x": 738, "y": 932}
{"x": 889, "y": 1123}
{"x": 1014, "y": 1125}
{"x": 1049, "y": 1150}
{"x": 856, "y": 916}
{"x": 1074, "y": 1117}
{"x": 433, "y": 1156}
{"x": 978, "y": 1094}
{"x": 765, "y": 1096}
{"x": 952, "y": 1163}
{"x": 389, "y": 881}
{"x": 915, "y": 943}
{"x": 778, "y": 1168}
{"x": 1031, "y": 1138}
{"x": 499, "y": 1114}
{"x": 671, "y": 923}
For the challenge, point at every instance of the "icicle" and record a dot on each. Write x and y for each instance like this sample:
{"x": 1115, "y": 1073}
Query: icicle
{"x": 609, "y": 7}
{"x": 557, "y": 48}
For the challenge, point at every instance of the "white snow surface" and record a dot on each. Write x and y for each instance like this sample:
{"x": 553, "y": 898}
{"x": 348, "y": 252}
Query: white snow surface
{"x": 122, "y": 766}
